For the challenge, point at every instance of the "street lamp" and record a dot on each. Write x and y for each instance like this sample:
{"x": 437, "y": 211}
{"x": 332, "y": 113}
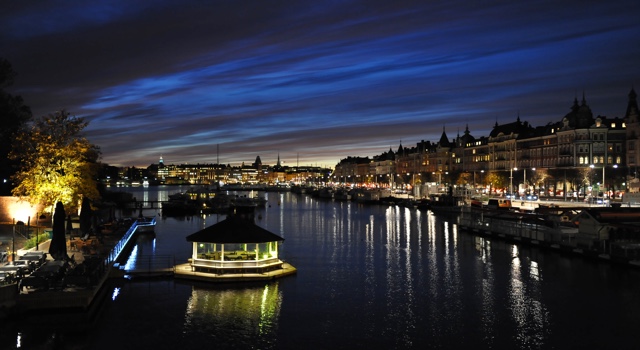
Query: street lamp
{"x": 593, "y": 168}
{"x": 511, "y": 181}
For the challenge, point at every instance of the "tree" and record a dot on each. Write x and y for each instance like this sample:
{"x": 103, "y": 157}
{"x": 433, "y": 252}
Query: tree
{"x": 57, "y": 162}
{"x": 496, "y": 179}
{"x": 14, "y": 115}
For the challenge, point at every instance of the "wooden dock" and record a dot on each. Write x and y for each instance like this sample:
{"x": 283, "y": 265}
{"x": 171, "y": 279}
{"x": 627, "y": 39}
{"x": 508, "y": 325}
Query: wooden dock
{"x": 184, "y": 271}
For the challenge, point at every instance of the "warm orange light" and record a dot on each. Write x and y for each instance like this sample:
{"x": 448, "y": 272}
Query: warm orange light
{"x": 22, "y": 210}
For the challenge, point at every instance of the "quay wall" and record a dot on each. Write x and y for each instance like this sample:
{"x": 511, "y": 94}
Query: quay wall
{"x": 8, "y": 298}
{"x": 85, "y": 300}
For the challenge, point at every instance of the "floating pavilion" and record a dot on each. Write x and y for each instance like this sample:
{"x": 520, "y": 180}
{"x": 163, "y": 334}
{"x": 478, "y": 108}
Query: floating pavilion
{"x": 235, "y": 249}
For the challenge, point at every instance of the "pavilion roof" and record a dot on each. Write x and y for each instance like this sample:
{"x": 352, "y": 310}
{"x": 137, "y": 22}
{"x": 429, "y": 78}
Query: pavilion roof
{"x": 234, "y": 230}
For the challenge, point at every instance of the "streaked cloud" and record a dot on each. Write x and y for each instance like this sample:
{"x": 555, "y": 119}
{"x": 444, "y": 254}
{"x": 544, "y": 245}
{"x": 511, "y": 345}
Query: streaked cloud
{"x": 314, "y": 80}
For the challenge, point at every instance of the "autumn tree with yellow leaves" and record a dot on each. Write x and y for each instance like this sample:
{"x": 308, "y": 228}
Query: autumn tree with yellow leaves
{"x": 57, "y": 164}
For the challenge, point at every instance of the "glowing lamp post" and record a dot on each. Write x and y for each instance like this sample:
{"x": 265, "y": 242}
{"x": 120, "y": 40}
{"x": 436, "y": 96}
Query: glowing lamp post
{"x": 511, "y": 180}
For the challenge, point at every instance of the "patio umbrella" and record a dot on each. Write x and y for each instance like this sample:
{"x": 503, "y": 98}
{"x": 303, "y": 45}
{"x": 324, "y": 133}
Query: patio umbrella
{"x": 69, "y": 225}
{"x": 58, "y": 246}
{"x": 85, "y": 217}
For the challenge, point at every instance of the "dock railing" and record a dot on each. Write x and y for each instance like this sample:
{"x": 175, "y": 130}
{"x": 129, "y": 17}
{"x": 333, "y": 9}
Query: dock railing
{"x": 114, "y": 255}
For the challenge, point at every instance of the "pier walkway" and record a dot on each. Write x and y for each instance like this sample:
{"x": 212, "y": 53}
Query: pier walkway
{"x": 60, "y": 296}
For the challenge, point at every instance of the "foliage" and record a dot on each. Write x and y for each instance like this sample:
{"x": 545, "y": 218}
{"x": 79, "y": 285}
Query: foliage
{"x": 539, "y": 177}
{"x": 496, "y": 179}
{"x": 57, "y": 163}
{"x": 464, "y": 178}
{"x": 38, "y": 238}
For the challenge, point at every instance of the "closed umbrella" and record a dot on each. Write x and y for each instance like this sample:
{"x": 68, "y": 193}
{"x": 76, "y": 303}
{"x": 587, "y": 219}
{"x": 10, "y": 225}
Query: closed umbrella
{"x": 85, "y": 217}
{"x": 58, "y": 247}
{"x": 69, "y": 225}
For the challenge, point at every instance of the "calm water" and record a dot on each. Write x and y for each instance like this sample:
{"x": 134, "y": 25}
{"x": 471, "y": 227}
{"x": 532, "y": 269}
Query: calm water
{"x": 368, "y": 277}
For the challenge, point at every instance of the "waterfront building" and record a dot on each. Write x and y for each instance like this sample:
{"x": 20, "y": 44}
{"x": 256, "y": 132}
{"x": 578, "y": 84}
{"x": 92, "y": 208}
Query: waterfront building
{"x": 632, "y": 136}
{"x": 352, "y": 171}
{"x": 380, "y": 167}
{"x": 579, "y": 154}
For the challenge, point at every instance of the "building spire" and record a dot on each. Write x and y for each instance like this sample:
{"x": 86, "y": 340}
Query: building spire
{"x": 632, "y": 105}
{"x": 444, "y": 140}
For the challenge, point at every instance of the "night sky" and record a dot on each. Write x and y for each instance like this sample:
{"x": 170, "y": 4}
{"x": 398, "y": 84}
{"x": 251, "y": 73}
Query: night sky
{"x": 312, "y": 81}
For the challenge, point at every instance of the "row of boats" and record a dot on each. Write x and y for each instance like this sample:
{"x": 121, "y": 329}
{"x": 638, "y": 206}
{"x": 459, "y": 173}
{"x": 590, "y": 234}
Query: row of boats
{"x": 606, "y": 232}
{"x": 205, "y": 201}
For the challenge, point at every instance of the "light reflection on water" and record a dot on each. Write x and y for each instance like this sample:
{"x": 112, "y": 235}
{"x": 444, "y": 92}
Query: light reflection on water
{"x": 378, "y": 277}
{"x": 234, "y": 317}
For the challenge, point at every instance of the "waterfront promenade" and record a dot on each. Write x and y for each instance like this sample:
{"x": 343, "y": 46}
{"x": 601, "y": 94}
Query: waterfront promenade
{"x": 94, "y": 260}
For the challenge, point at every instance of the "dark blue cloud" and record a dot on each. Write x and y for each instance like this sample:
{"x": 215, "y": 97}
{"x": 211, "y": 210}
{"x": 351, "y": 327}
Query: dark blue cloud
{"x": 319, "y": 80}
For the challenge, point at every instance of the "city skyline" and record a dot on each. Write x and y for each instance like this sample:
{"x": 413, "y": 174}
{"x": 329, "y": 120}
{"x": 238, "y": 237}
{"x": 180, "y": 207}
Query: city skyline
{"x": 196, "y": 82}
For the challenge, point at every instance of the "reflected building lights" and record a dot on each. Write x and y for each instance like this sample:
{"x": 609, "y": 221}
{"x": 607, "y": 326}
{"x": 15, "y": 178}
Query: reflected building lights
{"x": 446, "y": 239}
{"x": 419, "y": 227}
{"x": 431, "y": 230}
{"x": 528, "y": 311}
{"x": 131, "y": 262}
{"x": 455, "y": 236}
{"x": 255, "y": 310}
{"x": 407, "y": 228}
{"x": 534, "y": 271}
{"x": 389, "y": 220}
{"x": 486, "y": 281}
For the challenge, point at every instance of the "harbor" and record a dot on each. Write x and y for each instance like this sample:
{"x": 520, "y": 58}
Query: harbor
{"x": 351, "y": 260}
{"x": 35, "y": 282}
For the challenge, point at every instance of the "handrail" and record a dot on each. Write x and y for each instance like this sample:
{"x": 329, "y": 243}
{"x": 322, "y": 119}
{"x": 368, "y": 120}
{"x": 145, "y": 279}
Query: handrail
{"x": 122, "y": 243}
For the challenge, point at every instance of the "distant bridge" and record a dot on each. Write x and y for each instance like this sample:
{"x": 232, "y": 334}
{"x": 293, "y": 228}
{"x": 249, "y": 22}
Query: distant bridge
{"x": 144, "y": 204}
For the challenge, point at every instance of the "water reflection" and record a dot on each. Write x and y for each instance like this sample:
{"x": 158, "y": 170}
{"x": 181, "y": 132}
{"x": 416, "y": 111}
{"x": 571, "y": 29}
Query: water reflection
{"x": 234, "y": 317}
{"x": 528, "y": 311}
{"x": 372, "y": 277}
{"x": 142, "y": 252}
{"x": 486, "y": 280}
